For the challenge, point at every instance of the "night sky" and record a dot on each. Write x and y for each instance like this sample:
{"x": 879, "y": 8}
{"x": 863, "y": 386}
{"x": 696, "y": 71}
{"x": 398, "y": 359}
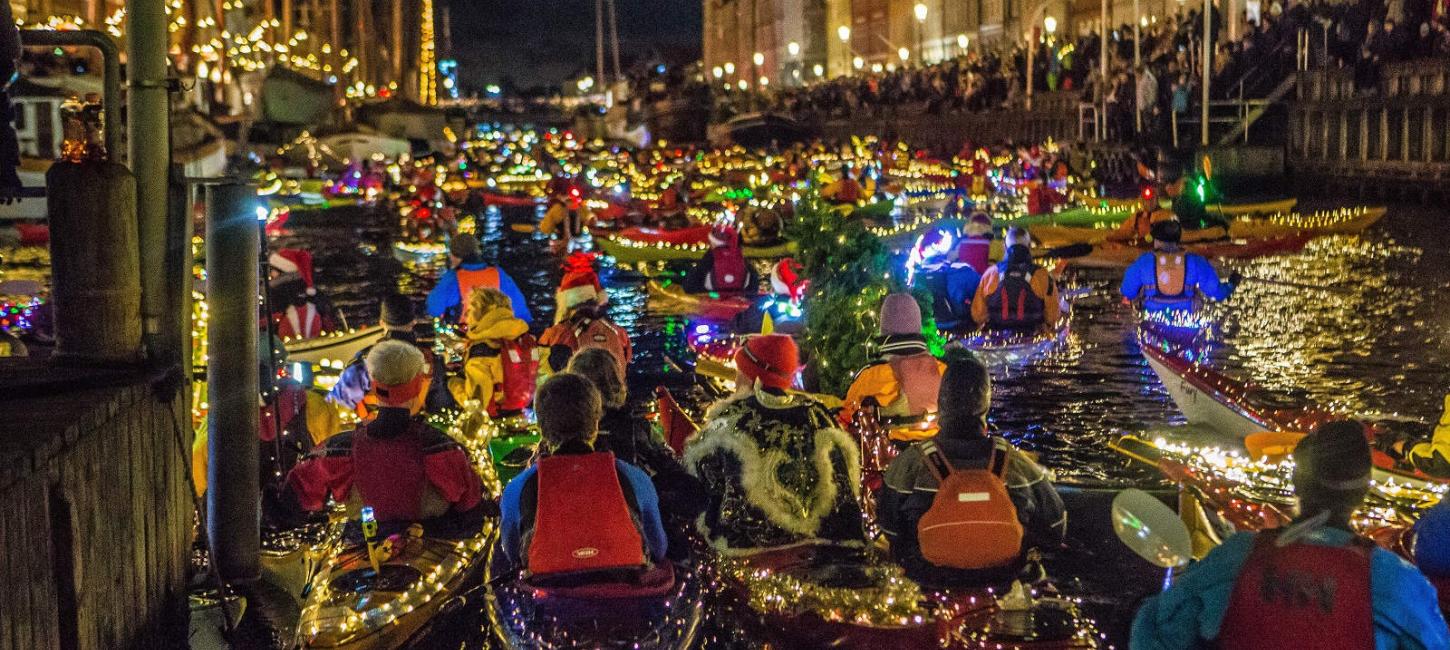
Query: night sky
{"x": 544, "y": 41}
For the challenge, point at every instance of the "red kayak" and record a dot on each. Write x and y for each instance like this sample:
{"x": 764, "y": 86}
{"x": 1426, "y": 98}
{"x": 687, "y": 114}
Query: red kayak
{"x": 510, "y": 200}
{"x": 692, "y": 236}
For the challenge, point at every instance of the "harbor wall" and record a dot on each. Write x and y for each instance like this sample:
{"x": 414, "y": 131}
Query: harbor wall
{"x": 1390, "y": 140}
{"x": 1054, "y": 115}
{"x": 95, "y": 512}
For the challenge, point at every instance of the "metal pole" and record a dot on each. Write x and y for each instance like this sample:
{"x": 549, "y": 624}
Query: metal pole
{"x": 150, "y": 141}
{"x": 1031, "y": 52}
{"x": 599, "y": 41}
{"x": 1207, "y": 69}
{"x": 233, "y": 490}
{"x": 1103, "y": 70}
{"x": 614, "y": 39}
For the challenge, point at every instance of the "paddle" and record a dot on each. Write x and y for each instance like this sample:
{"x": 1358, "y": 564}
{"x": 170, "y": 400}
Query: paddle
{"x": 523, "y": 227}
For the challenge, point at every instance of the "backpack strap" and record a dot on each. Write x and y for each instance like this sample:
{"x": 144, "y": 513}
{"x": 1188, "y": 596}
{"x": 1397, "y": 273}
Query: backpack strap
{"x": 936, "y": 460}
{"x": 997, "y": 461}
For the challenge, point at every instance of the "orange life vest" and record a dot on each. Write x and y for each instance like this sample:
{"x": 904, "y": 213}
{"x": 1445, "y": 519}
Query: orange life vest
{"x": 1170, "y": 271}
{"x": 972, "y": 523}
{"x": 582, "y": 523}
{"x": 468, "y": 280}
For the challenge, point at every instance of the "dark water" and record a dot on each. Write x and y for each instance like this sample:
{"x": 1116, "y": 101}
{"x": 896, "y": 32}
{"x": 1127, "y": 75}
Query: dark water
{"x": 1378, "y": 341}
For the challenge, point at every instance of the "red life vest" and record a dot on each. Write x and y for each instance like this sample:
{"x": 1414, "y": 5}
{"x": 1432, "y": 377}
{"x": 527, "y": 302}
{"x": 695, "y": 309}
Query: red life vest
{"x": 389, "y": 474}
{"x": 974, "y": 252}
{"x": 302, "y": 323}
{"x": 728, "y": 272}
{"x": 520, "y": 361}
{"x": 850, "y": 191}
{"x": 919, "y": 378}
{"x": 468, "y": 280}
{"x": 1286, "y": 595}
{"x": 582, "y": 523}
{"x": 1015, "y": 306}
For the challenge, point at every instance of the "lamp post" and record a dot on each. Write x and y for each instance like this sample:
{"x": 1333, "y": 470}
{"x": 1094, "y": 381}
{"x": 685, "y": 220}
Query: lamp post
{"x": 920, "y": 33}
{"x": 844, "y": 33}
{"x": 962, "y": 43}
{"x": 794, "y": 50}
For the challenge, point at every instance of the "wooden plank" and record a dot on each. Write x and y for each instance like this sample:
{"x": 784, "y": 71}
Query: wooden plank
{"x": 9, "y": 547}
{"x": 22, "y": 634}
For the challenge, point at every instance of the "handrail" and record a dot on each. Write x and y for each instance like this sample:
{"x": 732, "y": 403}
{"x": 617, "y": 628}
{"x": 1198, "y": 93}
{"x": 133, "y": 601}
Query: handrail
{"x": 110, "y": 78}
{"x": 1259, "y": 69}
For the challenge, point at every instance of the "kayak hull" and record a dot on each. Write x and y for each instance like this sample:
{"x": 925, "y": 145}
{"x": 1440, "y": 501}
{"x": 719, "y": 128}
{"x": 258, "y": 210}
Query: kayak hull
{"x": 635, "y": 252}
{"x": 1242, "y": 226}
{"x": 333, "y": 348}
{"x": 672, "y": 300}
{"x": 998, "y": 350}
{"x": 1113, "y": 255}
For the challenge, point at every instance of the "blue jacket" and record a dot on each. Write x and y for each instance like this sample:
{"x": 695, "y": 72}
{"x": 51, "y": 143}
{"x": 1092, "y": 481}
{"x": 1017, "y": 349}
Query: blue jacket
{"x": 1199, "y": 274}
{"x": 511, "y": 524}
{"x": 1406, "y": 611}
{"x": 445, "y": 296}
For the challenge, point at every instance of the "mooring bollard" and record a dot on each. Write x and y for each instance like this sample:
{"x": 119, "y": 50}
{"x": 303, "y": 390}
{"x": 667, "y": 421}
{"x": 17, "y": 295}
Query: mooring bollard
{"x": 233, "y": 493}
{"x": 95, "y": 261}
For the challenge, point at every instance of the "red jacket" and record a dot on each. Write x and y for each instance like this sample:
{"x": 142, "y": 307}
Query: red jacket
{"x": 390, "y": 472}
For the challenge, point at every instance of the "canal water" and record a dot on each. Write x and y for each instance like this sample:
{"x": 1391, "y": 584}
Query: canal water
{"x": 1371, "y": 338}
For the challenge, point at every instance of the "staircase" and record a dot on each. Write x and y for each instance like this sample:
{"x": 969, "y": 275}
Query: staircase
{"x": 1258, "y": 110}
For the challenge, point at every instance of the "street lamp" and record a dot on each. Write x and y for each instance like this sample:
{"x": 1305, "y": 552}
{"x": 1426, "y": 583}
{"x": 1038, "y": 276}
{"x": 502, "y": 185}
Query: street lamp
{"x": 729, "y": 67}
{"x": 758, "y": 58}
{"x": 858, "y": 63}
{"x": 920, "y": 33}
{"x": 717, "y": 71}
{"x": 1050, "y": 24}
{"x": 962, "y": 43}
{"x": 764, "y": 81}
{"x": 794, "y": 48}
{"x": 844, "y": 33}
{"x": 904, "y": 54}
{"x": 819, "y": 69}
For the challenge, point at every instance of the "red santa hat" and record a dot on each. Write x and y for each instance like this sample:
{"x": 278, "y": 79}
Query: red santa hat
{"x": 723, "y": 235}
{"x": 771, "y": 359}
{"x": 294, "y": 260}
{"x": 785, "y": 279}
{"x": 580, "y": 284}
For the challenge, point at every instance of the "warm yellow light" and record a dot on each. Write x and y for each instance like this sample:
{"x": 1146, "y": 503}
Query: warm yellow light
{"x": 717, "y": 71}
{"x": 904, "y": 53}
{"x": 729, "y": 67}
{"x": 844, "y": 33}
{"x": 758, "y": 58}
{"x": 858, "y": 63}
{"x": 794, "y": 48}
{"x": 920, "y": 12}
{"x": 1050, "y": 24}
{"x": 764, "y": 80}
{"x": 819, "y": 69}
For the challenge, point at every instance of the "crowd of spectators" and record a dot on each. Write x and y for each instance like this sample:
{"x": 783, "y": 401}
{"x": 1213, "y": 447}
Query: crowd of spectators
{"x": 1140, "y": 101}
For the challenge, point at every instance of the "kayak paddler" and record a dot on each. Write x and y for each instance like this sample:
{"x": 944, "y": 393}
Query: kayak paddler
{"x": 1314, "y": 583}
{"x": 466, "y": 270}
{"x": 397, "y": 464}
{"x": 904, "y": 380}
{"x": 724, "y": 268}
{"x": 1168, "y": 278}
{"x": 844, "y": 190}
{"x": 1016, "y": 294}
{"x": 1431, "y": 456}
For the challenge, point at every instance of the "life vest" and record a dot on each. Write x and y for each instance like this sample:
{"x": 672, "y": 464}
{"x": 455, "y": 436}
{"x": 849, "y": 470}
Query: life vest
{"x": 728, "y": 271}
{"x": 389, "y": 474}
{"x": 582, "y": 522}
{"x": 972, "y": 523}
{"x": 519, "y": 359}
{"x": 591, "y": 333}
{"x": 919, "y": 379}
{"x": 1014, "y": 305}
{"x": 847, "y": 191}
{"x": 1287, "y": 594}
{"x": 302, "y": 323}
{"x": 974, "y": 252}
{"x": 468, "y": 280}
{"x": 1170, "y": 285}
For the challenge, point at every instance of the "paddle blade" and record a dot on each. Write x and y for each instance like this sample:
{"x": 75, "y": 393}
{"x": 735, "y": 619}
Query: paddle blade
{"x": 1150, "y": 529}
{"x": 523, "y": 227}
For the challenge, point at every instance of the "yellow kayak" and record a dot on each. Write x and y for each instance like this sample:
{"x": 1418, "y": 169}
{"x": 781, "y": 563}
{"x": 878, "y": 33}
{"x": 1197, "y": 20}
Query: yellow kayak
{"x": 1288, "y": 224}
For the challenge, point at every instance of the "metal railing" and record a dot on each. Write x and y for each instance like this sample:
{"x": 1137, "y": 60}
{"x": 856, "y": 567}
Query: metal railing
{"x": 1241, "y": 109}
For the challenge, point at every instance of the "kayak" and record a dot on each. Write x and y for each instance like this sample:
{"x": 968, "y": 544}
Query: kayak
{"x": 510, "y": 200}
{"x": 1114, "y": 255}
{"x": 821, "y": 597}
{"x": 1110, "y": 213}
{"x": 998, "y": 349}
{"x": 349, "y": 605}
{"x": 1285, "y": 224}
{"x": 663, "y": 610}
{"x": 631, "y": 251}
{"x": 511, "y": 450}
{"x": 669, "y": 298}
{"x": 1238, "y": 409}
{"x": 333, "y": 348}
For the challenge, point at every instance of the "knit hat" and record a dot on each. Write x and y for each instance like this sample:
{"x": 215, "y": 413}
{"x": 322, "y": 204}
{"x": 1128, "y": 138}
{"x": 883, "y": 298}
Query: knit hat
{"x": 1017, "y": 236}
{"x": 785, "y": 279}
{"x": 771, "y": 359}
{"x": 966, "y": 386}
{"x": 294, "y": 260}
{"x": 1335, "y": 457}
{"x": 1168, "y": 231}
{"x": 397, "y": 312}
{"x": 979, "y": 225}
{"x": 463, "y": 246}
{"x": 723, "y": 235}
{"x": 398, "y": 372}
{"x": 900, "y": 315}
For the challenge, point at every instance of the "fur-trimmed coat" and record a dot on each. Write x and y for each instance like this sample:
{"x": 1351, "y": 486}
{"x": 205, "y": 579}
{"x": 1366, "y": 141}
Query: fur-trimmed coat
{"x": 777, "y": 472}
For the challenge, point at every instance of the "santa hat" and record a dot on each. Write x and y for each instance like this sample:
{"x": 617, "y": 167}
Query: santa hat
{"x": 771, "y": 359}
{"x": 723, "y": 235}
{"x": 580, "y": 284}
{"x": 293, "y": 260}
{"x": 785, "y": 279}
{"x": 979, "y": 225}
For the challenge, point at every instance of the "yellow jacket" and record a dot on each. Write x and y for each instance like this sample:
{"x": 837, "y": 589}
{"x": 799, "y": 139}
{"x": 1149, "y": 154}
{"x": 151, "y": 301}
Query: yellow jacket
{"x": 1042, "y": 285}
{"x": 1434, "y": 457}
{"x": 481, "y": 374}
{"x": 323, "y": 422}
{"x": 558, "y": 213}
